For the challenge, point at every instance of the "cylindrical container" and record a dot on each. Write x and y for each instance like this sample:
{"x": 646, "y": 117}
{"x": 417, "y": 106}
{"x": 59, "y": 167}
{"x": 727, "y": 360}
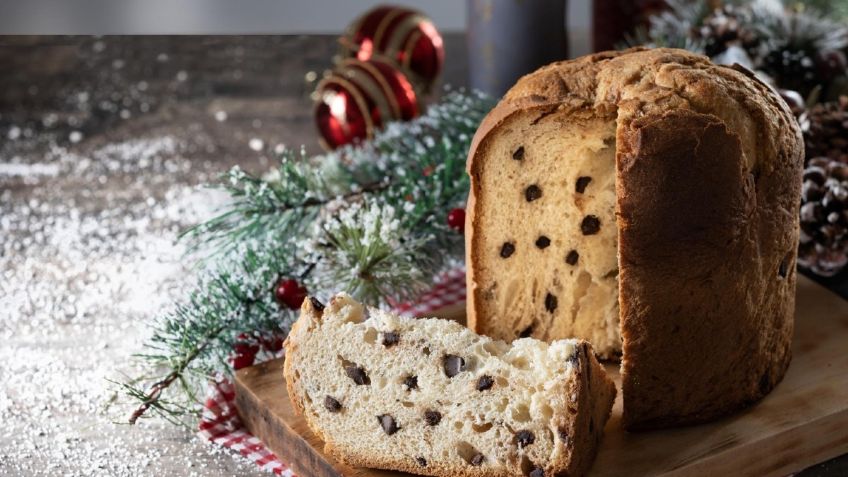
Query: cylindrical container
{"x": 510, "y": 38}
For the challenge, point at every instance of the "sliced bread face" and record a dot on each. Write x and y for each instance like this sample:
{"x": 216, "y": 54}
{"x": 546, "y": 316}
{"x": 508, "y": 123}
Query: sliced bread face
{"x": 431, "y": 397}
{"x": 543, "y": 249}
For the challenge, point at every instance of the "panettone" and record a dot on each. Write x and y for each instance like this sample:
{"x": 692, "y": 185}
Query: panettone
{"x": 646, "y": 201}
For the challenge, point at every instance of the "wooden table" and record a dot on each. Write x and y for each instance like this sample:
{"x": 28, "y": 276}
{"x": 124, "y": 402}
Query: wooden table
{"x": 171, "y": 87}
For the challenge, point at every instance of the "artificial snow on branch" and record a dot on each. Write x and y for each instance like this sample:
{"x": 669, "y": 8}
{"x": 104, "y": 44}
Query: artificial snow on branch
{"x": 368, "y": 219}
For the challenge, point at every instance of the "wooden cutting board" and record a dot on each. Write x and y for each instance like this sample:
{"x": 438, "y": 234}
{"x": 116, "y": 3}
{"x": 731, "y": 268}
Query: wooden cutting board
{"x": 802, "y": 422}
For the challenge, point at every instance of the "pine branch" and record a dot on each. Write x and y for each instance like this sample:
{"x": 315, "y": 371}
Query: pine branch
{"x": 369, "y": 220}
{"x": 152, "y": 397}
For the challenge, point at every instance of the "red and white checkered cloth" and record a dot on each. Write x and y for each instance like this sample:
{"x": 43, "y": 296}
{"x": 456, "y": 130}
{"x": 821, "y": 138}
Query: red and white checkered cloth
{"x": 220, "y": 423}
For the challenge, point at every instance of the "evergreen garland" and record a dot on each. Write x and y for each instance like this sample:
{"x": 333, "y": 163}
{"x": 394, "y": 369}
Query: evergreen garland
{"x": 369, "y": 220}
{"x": 792, "y": 45}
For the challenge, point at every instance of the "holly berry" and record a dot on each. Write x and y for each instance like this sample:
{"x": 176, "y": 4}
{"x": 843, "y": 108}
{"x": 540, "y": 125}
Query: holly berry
{"x": 830, "y": 63}
{"x": 243, "y": 360}
{"x": 273, "y": 343}
{"x": 290, "y": 293}
{"x": 245, "y": 349}
{"x": 245, "y": 344}
{"x": 456, "y": 220}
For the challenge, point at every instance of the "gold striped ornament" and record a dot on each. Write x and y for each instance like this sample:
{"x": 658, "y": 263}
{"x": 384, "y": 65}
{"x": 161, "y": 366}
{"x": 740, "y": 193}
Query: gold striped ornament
{"x": 401, "y": 35}
{"x": 359, "y": 97}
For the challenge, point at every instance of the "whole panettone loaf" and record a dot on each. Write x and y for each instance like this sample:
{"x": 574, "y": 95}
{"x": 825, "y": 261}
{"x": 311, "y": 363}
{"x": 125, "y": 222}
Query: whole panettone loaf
{"x": 431, "y": 397}
{"x": 646, "y": 201}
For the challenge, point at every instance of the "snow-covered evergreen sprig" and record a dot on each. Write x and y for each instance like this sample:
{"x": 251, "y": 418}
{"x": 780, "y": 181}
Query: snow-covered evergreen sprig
{"x": 790, "y": 44}
{"x": 367, "y": 219}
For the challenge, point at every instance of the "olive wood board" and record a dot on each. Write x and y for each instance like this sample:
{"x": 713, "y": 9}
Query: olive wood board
{"x": 802, "y": 422}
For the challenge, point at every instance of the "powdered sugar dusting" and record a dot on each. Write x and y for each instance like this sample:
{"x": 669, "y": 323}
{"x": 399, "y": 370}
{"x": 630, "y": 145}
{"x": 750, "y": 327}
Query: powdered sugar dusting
{"x": 79, "y": 282}
{"x": 103, "y": 142}
{"x": 28, "y": 170}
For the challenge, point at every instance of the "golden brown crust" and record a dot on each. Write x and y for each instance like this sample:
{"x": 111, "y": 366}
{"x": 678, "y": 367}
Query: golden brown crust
{"x": 587, "y": 430}
{"x": 708, "y": 181}
{"x": 706, "y": 316}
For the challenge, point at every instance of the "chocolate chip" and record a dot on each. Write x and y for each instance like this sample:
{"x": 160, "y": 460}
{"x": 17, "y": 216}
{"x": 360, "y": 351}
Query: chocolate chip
{"x": 765, "y": 382}
{"x": 563, "y": 436}
{"x": 543, "y": 242}
{"x": 575, "y": 357}
{"x": 532, "y": 193}
{"x": 411, "y": 382}
{"x": 572, "y": 257}
{"x": 526, "y": 332}
{"x": 319, "y": 307}
{"x": 518, "y": 154}
{"x": 783, "y": 268}
{"x": 388, "y": 424}
{"x": 507, "y": 249}
{"x": 432, "y": 418}
{"x": 550, "y": 303}
{"x": 421, "y": 461}
{"x": 590, "y": 225}
{"x": 537, "y": 472}
{"x": 390, "y": 338}
{"x": 331, "y": 404}
{"x": 485, "y": 382}
{"x": 357, "y": 374}
{"x": 453, "y": 365}
{"x": 581, "y": 184}
{"x": 477, "y": 459}
{"x": 524, "y": 438}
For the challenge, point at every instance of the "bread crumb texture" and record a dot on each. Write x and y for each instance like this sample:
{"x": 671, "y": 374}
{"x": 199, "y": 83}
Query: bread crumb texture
{"x": 431, "y": 397}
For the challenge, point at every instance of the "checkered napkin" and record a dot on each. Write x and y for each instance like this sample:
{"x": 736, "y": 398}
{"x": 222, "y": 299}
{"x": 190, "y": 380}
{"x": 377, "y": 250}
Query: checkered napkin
{"x": 220, "y": 423}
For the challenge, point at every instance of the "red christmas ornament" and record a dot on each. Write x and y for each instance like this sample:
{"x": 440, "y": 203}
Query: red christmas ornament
{"x": 403, "y": 36}
{"x": 456, "y": 220}
{"x": 290, "y": 293}
{"x": 359, "y": 97}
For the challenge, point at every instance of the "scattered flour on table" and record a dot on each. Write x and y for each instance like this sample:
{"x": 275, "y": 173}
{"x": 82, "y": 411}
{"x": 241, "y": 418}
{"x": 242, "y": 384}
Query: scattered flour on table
{"x": 82, "y": 271}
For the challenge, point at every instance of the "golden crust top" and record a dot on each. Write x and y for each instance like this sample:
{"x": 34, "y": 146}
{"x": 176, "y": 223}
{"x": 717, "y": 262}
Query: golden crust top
{"x": 640, "y": 82}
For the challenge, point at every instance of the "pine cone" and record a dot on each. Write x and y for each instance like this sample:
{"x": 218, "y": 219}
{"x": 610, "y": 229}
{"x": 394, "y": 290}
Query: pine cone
{"x": 792, "y": 69}
{"x": 824, "y": 217}
{"x": 726, "y": 26}
{"x": 825, "y": 127}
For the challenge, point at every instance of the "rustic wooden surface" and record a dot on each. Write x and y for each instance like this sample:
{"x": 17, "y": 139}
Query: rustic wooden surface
{"x": 802, "y": 422}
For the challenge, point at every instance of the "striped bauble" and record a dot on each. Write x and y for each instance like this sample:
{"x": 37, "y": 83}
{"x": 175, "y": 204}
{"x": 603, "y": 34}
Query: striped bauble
{"x": 359, "y": 97}
{"x": 402, "y": 36}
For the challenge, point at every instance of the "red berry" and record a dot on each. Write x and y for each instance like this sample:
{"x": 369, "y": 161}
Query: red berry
{"x": 273, "y": 343}
{"x": 245, "y": 348}
{"x": 290, "y": 293}
{"x": 830, "y": 63}
{"x": 243, "y": 360}
{"x": 456, "y": 220}
{"x": 245, "y": 344}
